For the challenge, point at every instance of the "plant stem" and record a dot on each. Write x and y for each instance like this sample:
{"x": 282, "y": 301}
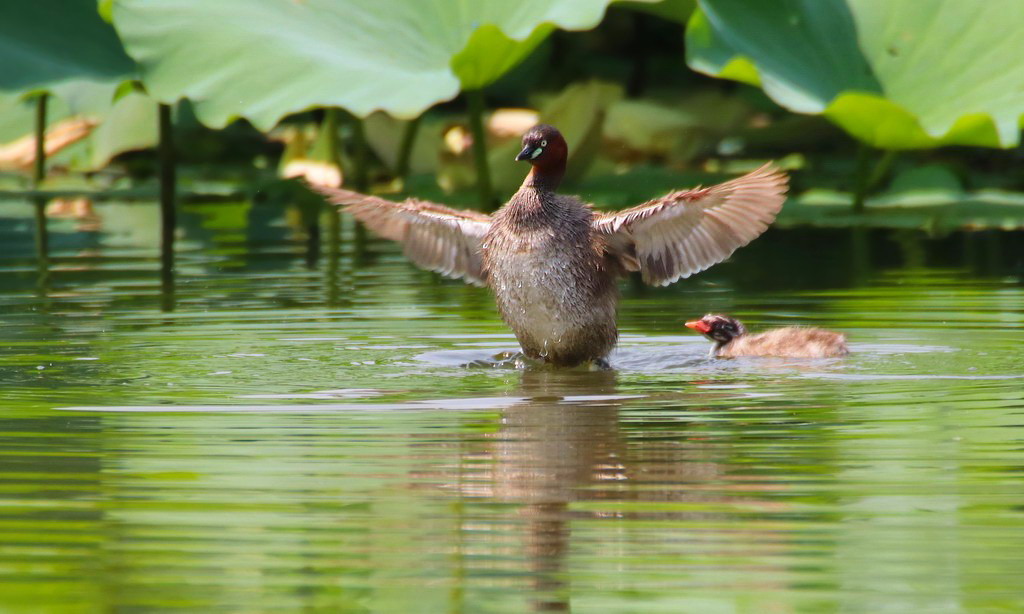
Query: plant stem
{"x": 361, "y": 175}
{"x": 331, "y": 270}
{"x": 39, "y": 169}
{"x": 881, "y": 168}
{"x": 38, "y": 174}
{"x": 327, "y": 138}
{"x": 312, "y": 242}
{"x": 860, "y": 189}
{"x": 405, "y": 151}
{"x": 866, "y": 181}
{"x": 168, "y": 213}
{"x": 326, "y": 149}
{"x": 638, "y": 51}
{"x": 476, "y": 127}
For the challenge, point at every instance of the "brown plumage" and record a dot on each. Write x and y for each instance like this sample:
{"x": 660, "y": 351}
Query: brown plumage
{"x": 552, "y": 261}
{"x": 731, "y": 340}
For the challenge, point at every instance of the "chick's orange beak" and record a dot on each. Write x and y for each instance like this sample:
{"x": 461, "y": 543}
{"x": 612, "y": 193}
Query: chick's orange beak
{"x": 698, "y": 325}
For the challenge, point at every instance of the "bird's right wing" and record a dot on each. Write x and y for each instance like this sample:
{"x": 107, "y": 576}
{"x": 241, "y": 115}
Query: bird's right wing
{"x": 434, "y": 237}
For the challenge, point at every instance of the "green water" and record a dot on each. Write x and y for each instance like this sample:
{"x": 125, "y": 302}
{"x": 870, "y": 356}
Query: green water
{"x": 296, "y": 438}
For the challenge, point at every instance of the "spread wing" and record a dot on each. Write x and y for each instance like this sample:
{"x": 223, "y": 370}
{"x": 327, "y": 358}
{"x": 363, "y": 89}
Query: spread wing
{"x": 434, "y": 237}
{"x": 685, "y": 232}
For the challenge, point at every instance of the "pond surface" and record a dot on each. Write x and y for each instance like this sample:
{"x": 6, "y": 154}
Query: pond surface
{"x": 280, "y": 437}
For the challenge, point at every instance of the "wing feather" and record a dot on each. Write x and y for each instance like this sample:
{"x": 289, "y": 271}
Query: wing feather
{"x": 433, "y": 236}
{"x": 685, "y": 232}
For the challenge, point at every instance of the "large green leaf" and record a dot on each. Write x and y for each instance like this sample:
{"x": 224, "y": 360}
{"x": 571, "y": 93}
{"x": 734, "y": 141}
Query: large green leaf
{"x": 127, "y": 124}
{"x": 264, "y": 59}
{"x": 895, "y": 74}
{"x": 65, "y": 47}
{"x": 48, "y": 42}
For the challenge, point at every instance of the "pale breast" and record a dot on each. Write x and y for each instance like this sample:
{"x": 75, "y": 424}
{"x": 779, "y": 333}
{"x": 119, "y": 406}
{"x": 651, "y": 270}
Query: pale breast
{"x": 551, "y": 288}
{"x": 542, "y": 294}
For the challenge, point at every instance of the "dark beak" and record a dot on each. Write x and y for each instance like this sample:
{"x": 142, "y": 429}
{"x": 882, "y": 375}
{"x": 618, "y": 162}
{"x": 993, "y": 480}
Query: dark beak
{"x": 524, "y": 154}
{"x": 698, "y": 325}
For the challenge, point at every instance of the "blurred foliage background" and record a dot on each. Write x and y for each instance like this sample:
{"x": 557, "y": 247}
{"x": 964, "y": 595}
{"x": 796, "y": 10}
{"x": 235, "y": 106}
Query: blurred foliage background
{"x": 888, "y": 113}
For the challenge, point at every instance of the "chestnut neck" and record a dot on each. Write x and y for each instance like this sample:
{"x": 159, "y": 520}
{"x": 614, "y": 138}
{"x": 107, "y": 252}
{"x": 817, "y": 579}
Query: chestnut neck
{"x": 547, "y": 176}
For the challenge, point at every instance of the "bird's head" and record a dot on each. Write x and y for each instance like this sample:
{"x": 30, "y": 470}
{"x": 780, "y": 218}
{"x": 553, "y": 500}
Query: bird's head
{"x": 544, "y": 146}
{"x": 718, "y": 328}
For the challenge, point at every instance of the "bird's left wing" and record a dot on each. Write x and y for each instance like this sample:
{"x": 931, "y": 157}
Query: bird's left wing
{"x": 685, "y": 232}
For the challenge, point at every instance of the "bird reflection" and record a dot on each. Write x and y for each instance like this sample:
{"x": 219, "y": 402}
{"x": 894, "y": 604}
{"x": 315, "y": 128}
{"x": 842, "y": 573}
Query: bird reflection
{"x": 549, "y": 447}
{"x": 562, "y": 444}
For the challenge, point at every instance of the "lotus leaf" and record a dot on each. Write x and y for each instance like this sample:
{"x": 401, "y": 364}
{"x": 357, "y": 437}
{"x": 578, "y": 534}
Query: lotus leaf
{"x": 126, "y": 124}
{"x": 896, "y": 75}
{"x": 264, "y": 59}
{"x": 64, "y": 47}
{"x": 44, "y": 43}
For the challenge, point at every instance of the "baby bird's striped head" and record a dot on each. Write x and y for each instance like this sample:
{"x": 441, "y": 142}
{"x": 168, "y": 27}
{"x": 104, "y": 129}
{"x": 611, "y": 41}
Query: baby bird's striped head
{"x": 718, "y": 328}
